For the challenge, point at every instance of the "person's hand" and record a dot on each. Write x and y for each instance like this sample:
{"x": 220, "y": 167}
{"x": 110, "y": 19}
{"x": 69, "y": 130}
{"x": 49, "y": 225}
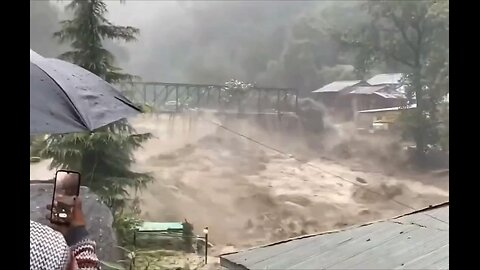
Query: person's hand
{"x": 77, "y": 218}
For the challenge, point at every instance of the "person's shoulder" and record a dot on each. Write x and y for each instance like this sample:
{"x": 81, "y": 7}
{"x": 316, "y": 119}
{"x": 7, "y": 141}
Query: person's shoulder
{"x": 43, "y": 229}
{"x": 48, "y": 248}
{"x": 44, "y": 233}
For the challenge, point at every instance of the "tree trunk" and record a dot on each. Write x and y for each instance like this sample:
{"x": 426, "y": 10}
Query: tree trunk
{"x": 419, "y": 132}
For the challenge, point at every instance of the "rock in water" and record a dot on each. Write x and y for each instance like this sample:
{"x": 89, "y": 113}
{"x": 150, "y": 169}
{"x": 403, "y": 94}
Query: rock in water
{"x": 98, "y": 217}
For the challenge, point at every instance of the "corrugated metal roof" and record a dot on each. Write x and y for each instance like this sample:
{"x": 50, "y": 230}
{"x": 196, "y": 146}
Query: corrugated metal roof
{"x": 382, "y": 90}
{"x": 367, "y": 90}
{"x": 415, "y": 241}
{"x": 413, "y": 106}
{"x": 159, "y": 226}
{"x": 336, "y": 86}
{"x": 392, "y": 78}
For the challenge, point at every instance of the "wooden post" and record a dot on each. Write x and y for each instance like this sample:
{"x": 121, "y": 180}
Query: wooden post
{"x": 132, "y": 264}
{"x": 205, "y": 231}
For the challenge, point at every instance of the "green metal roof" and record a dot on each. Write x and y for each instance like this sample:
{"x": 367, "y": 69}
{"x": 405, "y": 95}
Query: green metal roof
{"x": 415, "y": 241}
{"x": 160, "y": 226}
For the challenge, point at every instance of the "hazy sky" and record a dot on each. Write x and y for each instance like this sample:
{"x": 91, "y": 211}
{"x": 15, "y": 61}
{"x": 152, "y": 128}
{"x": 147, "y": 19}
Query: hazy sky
{"x": 209, "y": 41}
{"x": 198, "y": 40}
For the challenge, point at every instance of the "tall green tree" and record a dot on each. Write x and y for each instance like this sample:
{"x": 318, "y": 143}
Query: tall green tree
{"x": 414, "y": 36}
{"x": 86, "y": 33}
{"x": 104, "y": 157}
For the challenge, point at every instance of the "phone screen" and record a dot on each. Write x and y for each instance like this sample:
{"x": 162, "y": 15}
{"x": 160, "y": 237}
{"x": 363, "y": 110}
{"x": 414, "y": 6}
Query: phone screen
{"x": 67, "y": 186}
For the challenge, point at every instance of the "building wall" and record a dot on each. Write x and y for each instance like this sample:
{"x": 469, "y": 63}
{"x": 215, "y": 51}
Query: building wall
{"x": 365, "y": 120}
{"x": 344, "y": 107}
{"x": 370, "y": 102}
{"x": 350, "y": 104}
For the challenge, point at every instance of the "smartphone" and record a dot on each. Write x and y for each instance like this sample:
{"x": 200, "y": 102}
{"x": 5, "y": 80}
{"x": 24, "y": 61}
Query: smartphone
{"x": 65, "y": 189}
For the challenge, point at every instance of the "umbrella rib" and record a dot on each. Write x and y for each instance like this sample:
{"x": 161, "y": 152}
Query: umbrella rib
{"x": 130, "y": 105}
{"x": 69, "y": 99}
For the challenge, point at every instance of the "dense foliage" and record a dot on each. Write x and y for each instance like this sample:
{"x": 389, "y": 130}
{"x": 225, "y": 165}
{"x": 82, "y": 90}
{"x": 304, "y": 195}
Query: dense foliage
{"x": 412, "y": 36}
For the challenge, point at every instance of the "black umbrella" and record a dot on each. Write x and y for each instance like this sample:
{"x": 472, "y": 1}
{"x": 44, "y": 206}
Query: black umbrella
{"x": 66, "y": 98}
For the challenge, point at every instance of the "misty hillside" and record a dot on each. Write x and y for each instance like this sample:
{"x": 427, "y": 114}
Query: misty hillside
{"x": 277, "y": 44}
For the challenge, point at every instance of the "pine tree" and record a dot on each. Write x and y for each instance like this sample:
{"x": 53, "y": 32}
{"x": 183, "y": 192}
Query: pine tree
{"x": 104, "y": 157}
{"x": 86, "y": 33}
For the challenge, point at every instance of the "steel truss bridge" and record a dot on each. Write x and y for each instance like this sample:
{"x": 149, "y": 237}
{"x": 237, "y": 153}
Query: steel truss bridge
{"x": 164, "y": 97}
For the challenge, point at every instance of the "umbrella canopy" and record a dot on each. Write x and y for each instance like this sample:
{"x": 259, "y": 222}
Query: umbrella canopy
{"x": 66, "y": 98}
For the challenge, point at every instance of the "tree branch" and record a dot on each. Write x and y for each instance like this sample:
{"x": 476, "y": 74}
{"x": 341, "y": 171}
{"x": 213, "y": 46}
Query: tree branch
{"x": 419, "y": 28}
{"x": 396, "y": 58}
{"x": 401, "y": 28}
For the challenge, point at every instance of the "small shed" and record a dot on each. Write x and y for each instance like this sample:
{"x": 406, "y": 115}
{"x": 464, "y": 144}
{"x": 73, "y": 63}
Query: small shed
{"x": 168, "y": 235}
{"x": 331, "y": 96}
{"x": 366, "y": 97}
{"x": 418, "y": 240}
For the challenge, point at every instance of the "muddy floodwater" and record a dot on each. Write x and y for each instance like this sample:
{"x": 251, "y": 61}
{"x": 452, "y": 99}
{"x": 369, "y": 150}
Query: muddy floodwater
{"x": 248, "y": 194}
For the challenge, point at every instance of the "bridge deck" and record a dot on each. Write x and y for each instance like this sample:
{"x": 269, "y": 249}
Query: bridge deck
{"x": 226, "y": 112}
